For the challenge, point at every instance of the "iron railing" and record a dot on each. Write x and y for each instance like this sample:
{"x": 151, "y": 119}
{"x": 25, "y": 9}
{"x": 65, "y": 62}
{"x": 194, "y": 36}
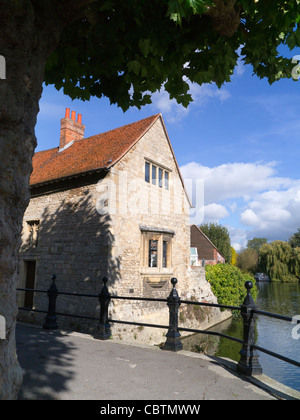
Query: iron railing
{"x": 249, "y": 357}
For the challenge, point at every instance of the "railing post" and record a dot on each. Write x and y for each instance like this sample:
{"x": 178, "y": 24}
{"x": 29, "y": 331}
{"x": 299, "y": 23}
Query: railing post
{"x": 249, "y": 364}
{"x": 103, "y": 331}
{"x": 173, "y": 342}
{"x": 50, "y": 319}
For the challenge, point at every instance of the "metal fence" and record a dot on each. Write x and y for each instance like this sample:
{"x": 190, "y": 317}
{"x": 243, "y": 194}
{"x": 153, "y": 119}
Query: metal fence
{"x": 249, "y": 358}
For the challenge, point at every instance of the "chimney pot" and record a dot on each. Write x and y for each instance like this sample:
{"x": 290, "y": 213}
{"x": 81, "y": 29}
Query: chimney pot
{"x": 71, "y": 130}
{"x": 67, "y": 114}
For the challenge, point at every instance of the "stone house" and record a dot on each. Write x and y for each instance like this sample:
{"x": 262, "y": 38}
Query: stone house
{"x": 113, "y": 205}
{"x": 204, "y": 252}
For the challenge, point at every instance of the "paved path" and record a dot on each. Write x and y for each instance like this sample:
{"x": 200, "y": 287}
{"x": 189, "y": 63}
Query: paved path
{"x": 61, "y": 365}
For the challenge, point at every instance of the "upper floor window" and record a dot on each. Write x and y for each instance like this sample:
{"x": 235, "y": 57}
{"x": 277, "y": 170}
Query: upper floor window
{"x": 156, "y": 175}
{"x": 147, "y": 172}
{"x": 153, "y": 174}
{"x": 160, "y": 177}
{"x": 166, "y": 180}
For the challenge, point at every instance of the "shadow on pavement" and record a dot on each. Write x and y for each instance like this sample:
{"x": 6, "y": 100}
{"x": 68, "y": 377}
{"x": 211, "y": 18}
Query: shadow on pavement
{"x": 48, "y": 363}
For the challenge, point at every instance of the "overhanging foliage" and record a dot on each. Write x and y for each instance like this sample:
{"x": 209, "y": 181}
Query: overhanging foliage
{"x": 128, "y": 50}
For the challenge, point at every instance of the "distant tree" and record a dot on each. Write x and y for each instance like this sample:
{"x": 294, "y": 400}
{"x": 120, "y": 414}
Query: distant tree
{"x": 219, "y": 236}
{"x": 294, "y": 240}
{"x": 296, "y": 262}
{"x": 233, "y": 256}
{"x": 280, "y": 261}
{"x": 256, "y": 243}
{"x": 247, "y": 260}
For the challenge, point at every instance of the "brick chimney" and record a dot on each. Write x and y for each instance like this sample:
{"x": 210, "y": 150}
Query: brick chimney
{"x": 70, "y": 129}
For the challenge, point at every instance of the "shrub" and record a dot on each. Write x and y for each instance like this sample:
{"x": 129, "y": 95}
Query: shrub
{"x": 228, "y": 284}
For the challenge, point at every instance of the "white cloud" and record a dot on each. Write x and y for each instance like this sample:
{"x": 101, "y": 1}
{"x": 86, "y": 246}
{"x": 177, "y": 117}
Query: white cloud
{"x": 238, "y": 238}
{"x": 248, "y": 217}
{"x": 174, "y": 112}
{"x": 274, "y": 214}
{"x": 202, "y": 94}
{"x": 233, "y": 207}
{"x": 250, "y": 197}
{"x": 214, "y": 212}
{"x": 240, "y": 68}
{"x": 233, "y": 180}
{"x": 171, "y": 110}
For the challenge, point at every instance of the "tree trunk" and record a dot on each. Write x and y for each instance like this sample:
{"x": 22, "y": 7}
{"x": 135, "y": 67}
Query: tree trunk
{"x": 26, "y": 39}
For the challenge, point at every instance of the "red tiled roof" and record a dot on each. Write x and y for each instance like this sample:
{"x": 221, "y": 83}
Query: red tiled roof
{"x": 89, "y": 154}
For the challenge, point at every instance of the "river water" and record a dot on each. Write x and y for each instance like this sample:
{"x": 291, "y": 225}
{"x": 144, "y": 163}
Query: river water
{"x": 272, "y": 334}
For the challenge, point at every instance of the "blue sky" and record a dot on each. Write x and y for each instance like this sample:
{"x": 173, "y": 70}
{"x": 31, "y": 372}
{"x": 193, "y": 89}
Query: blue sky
{"x": 241, "y": 141}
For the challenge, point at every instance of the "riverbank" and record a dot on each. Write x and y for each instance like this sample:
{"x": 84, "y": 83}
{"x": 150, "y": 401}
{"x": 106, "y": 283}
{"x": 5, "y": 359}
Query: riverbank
{"x": 276, "y": 335}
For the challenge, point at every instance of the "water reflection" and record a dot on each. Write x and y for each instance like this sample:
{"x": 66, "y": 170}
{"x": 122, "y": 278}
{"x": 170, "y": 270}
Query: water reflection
{"x": 284, "y": 299}
{"x": 272, "y": 334}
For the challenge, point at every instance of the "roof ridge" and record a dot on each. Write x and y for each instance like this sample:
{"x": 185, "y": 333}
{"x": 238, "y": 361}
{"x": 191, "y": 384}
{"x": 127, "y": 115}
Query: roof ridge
{"x": 123, "y": 126}
{"x": 46, "y": 150}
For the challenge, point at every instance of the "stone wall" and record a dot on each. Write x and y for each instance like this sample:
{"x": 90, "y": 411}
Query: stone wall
{"x": 200, "y": 290}
{"x": 74, "y": 242}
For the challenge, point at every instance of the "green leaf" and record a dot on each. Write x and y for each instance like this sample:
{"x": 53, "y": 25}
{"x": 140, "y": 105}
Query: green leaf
{"x": 297, "y": 37}
{"x": 145, "y": 46}
{"x": 291, "y": 41}
{"x": 140, "y": 41}
{"x": 134, "y": 67}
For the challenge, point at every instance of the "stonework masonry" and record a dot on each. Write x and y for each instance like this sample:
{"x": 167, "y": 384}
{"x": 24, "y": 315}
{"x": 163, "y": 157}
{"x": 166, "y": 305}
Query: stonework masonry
{"x": 89, "y": 229}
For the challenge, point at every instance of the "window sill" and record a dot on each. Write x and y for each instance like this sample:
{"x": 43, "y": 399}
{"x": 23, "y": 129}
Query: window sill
{"x": 156, "y": 271}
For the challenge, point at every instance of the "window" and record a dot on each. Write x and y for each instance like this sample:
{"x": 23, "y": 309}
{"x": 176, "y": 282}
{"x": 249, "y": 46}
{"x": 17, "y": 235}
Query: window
{"x": 31, "y": 232}
{"x": 165, "y": 254}
{"x": 166, "y": 180}
{"x": 156, "y": 175}
{"x": 147, "y": 172}
{"x": 153, "y": 249}
{"x": 160, "y": 178}
{"x": 194, "y": 256}
{"x": 153, "y": 175}
{"x": 156, "y": 254}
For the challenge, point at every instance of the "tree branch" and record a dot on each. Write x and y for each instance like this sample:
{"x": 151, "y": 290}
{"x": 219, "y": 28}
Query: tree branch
{"x": 84, "y": 3}
{"x": 71, "y": 10}
{"x": 225, "y": 16}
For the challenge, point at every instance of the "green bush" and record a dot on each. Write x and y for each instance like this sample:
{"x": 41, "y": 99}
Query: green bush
{"x": 228, "y": 284}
